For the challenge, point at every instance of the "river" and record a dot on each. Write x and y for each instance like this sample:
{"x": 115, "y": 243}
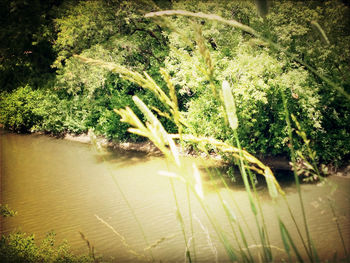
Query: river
{"x": 68, "y": 187}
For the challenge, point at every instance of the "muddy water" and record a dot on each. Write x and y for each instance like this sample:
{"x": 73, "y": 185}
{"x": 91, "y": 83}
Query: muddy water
{"x": 67, "y": 187}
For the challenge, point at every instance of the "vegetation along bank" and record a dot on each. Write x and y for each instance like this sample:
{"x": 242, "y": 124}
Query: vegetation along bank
{"x": 235, "y": 78}
{"x": 46, "y": 88}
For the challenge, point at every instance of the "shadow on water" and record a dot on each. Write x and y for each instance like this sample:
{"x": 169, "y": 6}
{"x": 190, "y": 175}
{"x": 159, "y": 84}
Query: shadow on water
{"x": 212, "y": 174}
{"x": 120, "y": 157}
{"x": 214, "y": 177}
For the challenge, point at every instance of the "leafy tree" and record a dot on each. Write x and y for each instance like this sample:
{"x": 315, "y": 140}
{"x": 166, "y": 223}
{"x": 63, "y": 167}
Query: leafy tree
{"x": 199, "y": 54}
{"x": 258, "y": 74}
{"x": 318, "y": 32}
{"x": 113, "y": 31}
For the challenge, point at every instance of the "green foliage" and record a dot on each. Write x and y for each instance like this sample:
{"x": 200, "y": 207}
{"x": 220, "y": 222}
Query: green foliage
{"x": 113, "y": 31}
{"x": 108, "y": 123}
{"x": 256, "y": 78}
{"x": 198, "y": 58}
{"x": 26, "y": 110}
{"x": 120, "y": 95}
{"x": 292, "y": 24}
{"x": 5, "y": 211}
{"x": 82, "y": 24}
{"x": 257, "y": 75}
{"x": 18, "y": 109}
{"x": 20, "y": 247}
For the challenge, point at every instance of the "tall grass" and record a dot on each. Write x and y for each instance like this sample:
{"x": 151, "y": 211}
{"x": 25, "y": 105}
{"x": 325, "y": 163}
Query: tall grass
{"x": 98, "y": 147}
{"x": 248, "y": 164}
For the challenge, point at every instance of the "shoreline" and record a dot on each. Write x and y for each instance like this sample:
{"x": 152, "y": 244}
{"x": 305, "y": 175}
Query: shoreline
{"x": 280, "y": 163}
{"x": 276, "y": 163}
{"x": 146, "y": 147}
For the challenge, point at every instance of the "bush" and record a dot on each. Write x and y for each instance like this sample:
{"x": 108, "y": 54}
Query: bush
{"x": 20, "y": 247}
{"x": 26, "y": 110}
{"x": 117, "y": 93}
{"x": 257, "y": 80}
{"x": 257, "y": 76}
{"x": 18, "y": 109}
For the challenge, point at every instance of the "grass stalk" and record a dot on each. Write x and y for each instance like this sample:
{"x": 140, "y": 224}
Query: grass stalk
{"x": 232, "y": 218}
{"x": 296, "y": 178}
{"x": 266, "y": 242}
{"x": 133, "y": 214}
{"x": 115, "y": 181}
{"x": 122, "y": 239}
{"x": 90, "y": 247}
{"x": 297, "y": 226}
{"x": 220, "y": 233}
{"x": 266, "y": 252}
{"x": 191, "y": 222}
{"x": 180, "y": 219}
{"x": 339, "y": 231}
{"x": 239, "y": 211}
{"x": 210, "y": 243}
{"x": 286, "y": 238}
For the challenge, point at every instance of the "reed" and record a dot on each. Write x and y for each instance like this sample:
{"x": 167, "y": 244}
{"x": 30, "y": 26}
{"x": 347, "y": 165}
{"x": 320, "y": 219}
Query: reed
{"x": 98, "y": 148}
{"x": 312, "y": 167}
{"x": 123, "y": 240}
{"x": 90, "y": 247}
{"x": 247, "y": 163}
{"x": 310, "y": 250}
{"x": 233, "y": 121}
{"x": 331, "y": 205}
{"x": 154, "y": 131}
{"x": 164, "y": 140}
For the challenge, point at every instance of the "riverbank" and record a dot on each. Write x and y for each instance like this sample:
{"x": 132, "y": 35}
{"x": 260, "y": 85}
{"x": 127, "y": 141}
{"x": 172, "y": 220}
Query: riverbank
{"x": 279, "y": 163}
{"x": 275, "y": 163}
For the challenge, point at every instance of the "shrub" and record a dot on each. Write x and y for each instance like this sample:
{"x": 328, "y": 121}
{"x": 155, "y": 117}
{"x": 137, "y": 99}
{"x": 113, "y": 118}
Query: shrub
{"x": 26, "y": 109}
{"x": 20, "y": 247}
{"x": 258, "y": 74}
{"x": 18, "y": 109}
{"x": 257, "y": 80}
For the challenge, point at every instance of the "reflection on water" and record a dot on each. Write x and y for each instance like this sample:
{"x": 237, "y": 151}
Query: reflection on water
{"x": 62, "y": 186}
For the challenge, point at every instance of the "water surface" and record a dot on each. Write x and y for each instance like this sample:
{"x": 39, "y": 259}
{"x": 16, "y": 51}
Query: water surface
{"x": 66, "y": 186}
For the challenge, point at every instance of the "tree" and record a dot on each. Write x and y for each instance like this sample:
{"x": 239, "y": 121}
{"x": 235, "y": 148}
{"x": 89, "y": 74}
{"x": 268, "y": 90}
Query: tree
{"x": 258, "y": 74}
{"x": 26, "y": 42}
{"x": 114, "y": 31}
